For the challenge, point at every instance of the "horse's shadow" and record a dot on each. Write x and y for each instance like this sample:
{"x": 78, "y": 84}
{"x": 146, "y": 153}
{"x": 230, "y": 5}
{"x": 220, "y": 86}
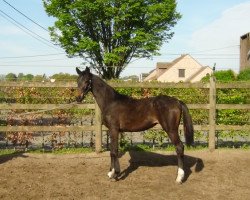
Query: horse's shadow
{"x": 152, "y": 159}
{"x": 11, "y": 156}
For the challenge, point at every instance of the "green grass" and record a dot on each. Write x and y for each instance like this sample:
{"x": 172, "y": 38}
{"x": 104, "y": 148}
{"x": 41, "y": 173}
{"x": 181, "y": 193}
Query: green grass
{"x": 73, "y": 150}
{"x": 125, "y": 148}
{"x": 197, "y": 147}
{"x": 5, "y": 152}
{"x": 151, "y": 148}
{"x": 63, "y": 151}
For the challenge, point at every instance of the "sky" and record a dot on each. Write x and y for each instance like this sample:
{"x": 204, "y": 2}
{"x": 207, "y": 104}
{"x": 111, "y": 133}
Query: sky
{"x": 209, "y": 31}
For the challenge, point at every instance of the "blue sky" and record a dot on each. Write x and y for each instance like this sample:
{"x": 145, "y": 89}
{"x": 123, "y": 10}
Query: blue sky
{"x": 209, "y": 31}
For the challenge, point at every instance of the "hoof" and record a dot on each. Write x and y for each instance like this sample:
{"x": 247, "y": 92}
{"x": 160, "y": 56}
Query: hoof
{"x": 178, "y": 181}
{"x": 111, "y": 174}
{"x": 180, "y": 176}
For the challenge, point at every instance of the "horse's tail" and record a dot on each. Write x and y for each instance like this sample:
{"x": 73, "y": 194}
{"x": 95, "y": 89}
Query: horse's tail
{"x": 187, "y": 125}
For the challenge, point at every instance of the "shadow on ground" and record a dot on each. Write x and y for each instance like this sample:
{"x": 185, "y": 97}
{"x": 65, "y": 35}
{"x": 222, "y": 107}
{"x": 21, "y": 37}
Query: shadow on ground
{"x": 152, "y": 159}
{"x": 11, "y": 156}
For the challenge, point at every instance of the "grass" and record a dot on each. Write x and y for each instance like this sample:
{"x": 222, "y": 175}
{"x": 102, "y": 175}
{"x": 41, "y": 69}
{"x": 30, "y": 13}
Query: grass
{"x": 5, "y": 152}
{"x": 152, "y": 148}
{"x": 170, "y": 147}
{"x": 63, "y": 151}
{"x": 125, "y": 147}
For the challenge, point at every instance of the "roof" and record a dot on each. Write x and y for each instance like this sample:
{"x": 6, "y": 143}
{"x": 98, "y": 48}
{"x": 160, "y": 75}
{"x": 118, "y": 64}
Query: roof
{"x": 196, "y": 74}
{"x": 162, "y": 65}
{"x": 163, "y": 68}
{"x": 167, "y": 65}
{"x": 247, "y": 35}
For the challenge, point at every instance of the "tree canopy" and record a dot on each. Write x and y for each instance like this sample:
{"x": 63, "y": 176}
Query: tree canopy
{"x": 107, "y": 34}
{"x": 244, "y": 75}
{"x": 11, "y": 77}
{"x": 229, "y": 76}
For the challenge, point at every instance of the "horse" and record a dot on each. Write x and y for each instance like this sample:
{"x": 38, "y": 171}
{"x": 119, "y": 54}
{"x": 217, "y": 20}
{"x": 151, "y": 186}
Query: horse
{"x": 122, "y": 113}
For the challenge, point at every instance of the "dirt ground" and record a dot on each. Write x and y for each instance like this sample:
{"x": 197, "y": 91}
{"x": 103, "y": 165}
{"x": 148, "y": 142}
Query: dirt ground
{"x": 223, "y": 174}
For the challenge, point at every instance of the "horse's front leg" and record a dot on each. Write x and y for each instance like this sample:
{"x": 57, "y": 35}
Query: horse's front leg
{"x": 115, "y": 166}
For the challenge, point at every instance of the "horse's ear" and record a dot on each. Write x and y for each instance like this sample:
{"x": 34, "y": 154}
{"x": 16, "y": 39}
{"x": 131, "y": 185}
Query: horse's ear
{"x": 87, "y": 70}
{"x": 78, "y": 71}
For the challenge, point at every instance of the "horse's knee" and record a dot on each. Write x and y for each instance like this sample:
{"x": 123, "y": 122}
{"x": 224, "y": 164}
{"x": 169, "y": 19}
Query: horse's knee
{"x": 180, "y": 149}
{"x": 113, "y": 154}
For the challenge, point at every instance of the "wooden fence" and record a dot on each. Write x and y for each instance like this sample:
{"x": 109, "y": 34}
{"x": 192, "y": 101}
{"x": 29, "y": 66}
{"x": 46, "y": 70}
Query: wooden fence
{"x": 211, "y": 127}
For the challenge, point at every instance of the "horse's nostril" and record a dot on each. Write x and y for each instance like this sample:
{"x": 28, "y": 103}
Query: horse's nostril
{"x": 78, "y": 98}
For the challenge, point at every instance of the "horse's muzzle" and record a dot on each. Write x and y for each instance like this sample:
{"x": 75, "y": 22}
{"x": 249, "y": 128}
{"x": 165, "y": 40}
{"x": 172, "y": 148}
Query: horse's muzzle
{"x": 79, "y": 98}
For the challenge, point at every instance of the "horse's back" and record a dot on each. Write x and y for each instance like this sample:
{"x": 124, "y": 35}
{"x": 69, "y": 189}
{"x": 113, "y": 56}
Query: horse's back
{"x": 131, "y": 106}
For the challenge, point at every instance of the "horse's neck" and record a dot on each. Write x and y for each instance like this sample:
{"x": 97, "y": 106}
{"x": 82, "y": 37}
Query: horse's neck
{"x": 103, "y": 93}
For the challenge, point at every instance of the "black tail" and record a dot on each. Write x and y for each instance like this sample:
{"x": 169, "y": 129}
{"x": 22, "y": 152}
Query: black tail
{"x": 187, "y": 125}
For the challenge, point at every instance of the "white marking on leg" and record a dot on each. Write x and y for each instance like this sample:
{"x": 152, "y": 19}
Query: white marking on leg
{"x": 111, "y": 173}
{"x": 180, "y": 175}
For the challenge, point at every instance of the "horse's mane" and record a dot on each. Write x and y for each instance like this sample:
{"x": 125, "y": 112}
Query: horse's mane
{"x": 110, "y": 90}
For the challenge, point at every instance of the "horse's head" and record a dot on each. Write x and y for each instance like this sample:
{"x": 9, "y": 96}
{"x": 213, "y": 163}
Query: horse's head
{"x": 84, "y": 83}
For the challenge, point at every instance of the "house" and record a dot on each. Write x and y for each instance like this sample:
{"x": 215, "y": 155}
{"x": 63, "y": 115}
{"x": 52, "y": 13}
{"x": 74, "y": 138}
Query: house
{"x": 244, "y": 51}
{"x": 184, "y": 68}
{"x": 143, "y": 76}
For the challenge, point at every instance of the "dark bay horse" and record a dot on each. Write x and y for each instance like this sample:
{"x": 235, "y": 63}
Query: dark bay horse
{"x": 122, "y": 113}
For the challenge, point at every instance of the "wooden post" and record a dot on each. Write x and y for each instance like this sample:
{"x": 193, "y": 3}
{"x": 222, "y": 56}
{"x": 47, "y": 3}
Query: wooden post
{"x": 98, "y": 129}
{"x": 212, "y": 113}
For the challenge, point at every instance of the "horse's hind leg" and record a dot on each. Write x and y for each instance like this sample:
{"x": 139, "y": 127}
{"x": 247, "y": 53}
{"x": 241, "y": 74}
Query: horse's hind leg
{"x": 175, "y": 139}
{"x": 179, "y": 147}
{"x": 170, "y": 120}
{"x": 115, "y": 166}
{"x": 180, "y": 156}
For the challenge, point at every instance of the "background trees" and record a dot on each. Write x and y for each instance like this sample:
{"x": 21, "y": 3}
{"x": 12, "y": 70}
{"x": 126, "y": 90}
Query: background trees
{"x": 109, "y": 33}
{"x": 11, "y": 77}
{"x": 221, "y": 76}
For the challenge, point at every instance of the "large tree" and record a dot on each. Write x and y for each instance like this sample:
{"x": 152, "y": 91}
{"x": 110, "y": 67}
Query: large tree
{"x": 109, "y": 33}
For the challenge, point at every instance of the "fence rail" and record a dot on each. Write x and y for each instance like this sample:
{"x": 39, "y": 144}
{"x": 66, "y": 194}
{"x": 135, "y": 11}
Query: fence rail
{"x": 128, "y": 85}
{"x": 18, "y": 106}
{"x": 212, "y": 127}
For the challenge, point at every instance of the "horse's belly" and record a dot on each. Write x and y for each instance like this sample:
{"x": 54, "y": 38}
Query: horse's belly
{"x": 136, "y": 126}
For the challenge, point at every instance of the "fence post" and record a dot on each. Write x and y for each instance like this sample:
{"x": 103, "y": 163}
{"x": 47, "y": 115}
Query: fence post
{"x": 212, "y": 113}
{"x": 98, "y": 129}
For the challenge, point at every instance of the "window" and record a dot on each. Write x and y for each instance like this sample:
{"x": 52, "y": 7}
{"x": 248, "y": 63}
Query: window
{"x": 181, "y": 73}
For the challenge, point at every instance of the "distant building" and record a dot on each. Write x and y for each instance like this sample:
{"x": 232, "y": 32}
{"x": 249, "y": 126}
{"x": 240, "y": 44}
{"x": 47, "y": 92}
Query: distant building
{"x": 143, "y": 76}
{"x": 185, "y": 68}
{"x": 244, "y": 50}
